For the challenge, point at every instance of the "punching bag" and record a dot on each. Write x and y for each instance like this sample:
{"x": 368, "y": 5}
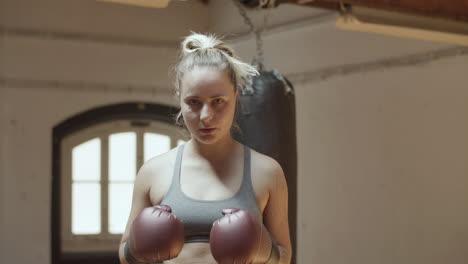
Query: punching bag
{"x": 267, "y": 119}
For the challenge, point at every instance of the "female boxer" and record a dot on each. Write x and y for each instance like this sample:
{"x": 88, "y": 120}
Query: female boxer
{"x": 211, "y": 200}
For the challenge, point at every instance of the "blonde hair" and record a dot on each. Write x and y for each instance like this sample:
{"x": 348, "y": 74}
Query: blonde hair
{"x": 209, "y": 50}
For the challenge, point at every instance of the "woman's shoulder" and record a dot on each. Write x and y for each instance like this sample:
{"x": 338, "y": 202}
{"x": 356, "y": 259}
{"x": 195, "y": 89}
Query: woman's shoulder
{"x": 163, "y": 158}
{"x": 266, "y": 172}
{"x": 264, "y": 164}
{"x": 159, "y": 163}
{"x": 156, "y": 170}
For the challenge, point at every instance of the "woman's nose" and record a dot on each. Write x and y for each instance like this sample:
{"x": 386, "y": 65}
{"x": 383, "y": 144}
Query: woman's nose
{"x": 206, "y": 112}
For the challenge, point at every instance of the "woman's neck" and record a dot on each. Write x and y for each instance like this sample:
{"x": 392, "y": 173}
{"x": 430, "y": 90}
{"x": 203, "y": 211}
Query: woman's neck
{"x": 213, "y": 152}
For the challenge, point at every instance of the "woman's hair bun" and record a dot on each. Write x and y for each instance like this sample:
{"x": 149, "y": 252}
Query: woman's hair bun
{"x": 210, "y": 50}
{"x": 196, "y": 42}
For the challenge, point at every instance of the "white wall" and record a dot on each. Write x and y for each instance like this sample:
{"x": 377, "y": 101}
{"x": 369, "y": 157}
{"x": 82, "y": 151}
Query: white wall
{"x": 383, "y": 165}
{"x": 105, "y": 19}
{"x": 3, "y": 163}
{"x": 382, "y": 154}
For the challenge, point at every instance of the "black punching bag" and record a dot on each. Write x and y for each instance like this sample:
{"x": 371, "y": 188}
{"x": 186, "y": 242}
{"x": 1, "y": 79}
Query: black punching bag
{"x": 267, "y": 119}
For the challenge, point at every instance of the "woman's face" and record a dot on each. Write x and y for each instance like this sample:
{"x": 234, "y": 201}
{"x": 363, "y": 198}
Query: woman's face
{"x": 208, "y": 101}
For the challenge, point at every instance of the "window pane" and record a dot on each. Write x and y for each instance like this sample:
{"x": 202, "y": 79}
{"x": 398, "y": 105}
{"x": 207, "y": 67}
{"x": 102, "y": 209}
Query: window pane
{"x": 156, "y": 144}
{"x": 86, "y": 208}
{"x": 122, "y": 156}
{"x": 86, "y": 161}
{"x": 180, "y": 142}
{"x": 120, "y": 200}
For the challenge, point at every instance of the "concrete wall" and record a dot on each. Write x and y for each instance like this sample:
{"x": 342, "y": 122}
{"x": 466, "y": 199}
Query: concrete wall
{"x": 383, "y": 165}
{"x": 381, "y": 152}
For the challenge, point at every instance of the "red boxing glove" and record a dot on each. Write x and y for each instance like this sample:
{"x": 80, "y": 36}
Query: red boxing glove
{"x": 235, "y": 237}
{"x": 156, "y": 235}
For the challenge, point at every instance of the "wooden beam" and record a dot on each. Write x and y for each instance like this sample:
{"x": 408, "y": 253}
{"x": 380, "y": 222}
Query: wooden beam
{"x": 334, "y": 5}
{"x": 449, "y": 9}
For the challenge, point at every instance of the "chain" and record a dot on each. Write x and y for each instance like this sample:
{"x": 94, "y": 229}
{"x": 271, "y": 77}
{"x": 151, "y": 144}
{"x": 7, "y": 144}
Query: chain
{"x": 259, "y": 58}
{"x": 259, "y": 40}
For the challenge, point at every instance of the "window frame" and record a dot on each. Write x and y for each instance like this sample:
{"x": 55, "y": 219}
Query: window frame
{"x": 105, "y": 240}
{"x": 94, "y": 122}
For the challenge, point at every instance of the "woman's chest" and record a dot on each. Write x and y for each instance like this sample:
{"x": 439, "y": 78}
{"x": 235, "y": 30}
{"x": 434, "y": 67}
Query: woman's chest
{"x": 199, "y": 183}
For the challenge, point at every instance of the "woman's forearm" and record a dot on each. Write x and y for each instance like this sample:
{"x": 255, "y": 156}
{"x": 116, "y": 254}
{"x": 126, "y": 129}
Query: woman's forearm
{"x": 268, "y": 254}
{"x": 122, "y": 253}
{"x": 284, "y": 256}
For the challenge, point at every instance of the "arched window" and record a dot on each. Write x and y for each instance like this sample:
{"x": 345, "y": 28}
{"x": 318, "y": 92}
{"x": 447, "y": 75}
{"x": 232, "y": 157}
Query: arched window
{"x": 97, "y": 155}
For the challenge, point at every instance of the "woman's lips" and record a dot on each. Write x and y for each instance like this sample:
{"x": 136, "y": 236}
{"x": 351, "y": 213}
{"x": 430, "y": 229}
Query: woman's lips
{"x": 207, "y": 130}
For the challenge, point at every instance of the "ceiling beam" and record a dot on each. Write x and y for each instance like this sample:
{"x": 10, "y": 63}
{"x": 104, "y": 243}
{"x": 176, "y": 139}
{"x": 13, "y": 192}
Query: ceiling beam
{"x": 456, "y": 10}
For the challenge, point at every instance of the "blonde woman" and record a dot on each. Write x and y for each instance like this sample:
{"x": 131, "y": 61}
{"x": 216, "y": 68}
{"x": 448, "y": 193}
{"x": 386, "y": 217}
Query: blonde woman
{"x": 213, "y": 199}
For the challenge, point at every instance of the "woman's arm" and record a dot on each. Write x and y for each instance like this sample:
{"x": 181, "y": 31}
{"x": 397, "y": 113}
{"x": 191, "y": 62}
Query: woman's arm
{"x": 140, "y": 200}
{"x": 275, "y": 217}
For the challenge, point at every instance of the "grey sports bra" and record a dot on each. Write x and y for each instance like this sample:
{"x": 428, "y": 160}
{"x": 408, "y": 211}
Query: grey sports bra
{"x": 199, "y": 215}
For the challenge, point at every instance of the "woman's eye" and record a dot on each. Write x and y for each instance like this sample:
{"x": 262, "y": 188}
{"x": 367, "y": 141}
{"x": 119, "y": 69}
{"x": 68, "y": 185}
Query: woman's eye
{"x": 218, "y": 100}
{"x": 192, "y": 102}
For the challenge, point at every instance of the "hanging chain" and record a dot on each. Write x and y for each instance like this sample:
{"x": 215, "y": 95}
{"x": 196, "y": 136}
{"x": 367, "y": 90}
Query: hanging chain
{"x": 259, "y": 58}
